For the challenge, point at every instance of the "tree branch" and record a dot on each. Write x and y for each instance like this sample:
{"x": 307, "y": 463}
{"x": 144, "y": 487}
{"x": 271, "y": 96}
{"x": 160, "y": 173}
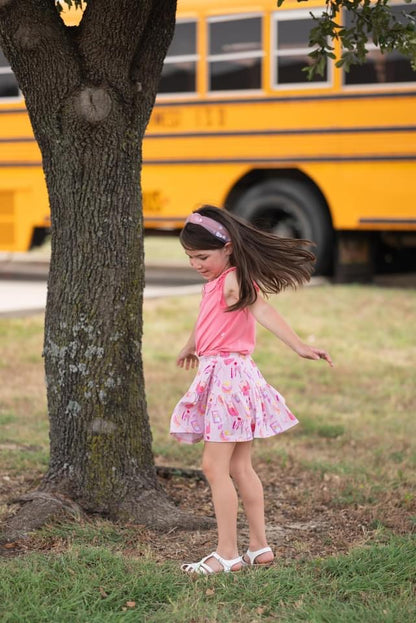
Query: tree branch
{"x": 152, "y": 48}
{"x": 110, "y": 30}
{"x": 378, "y": 20}
{"x": 33, "y": 37}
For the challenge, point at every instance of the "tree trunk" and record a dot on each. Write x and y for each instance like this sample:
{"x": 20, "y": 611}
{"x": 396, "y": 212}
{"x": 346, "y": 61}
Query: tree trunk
{"x": 89, "y": 92}
{"x": 100, "y": 435}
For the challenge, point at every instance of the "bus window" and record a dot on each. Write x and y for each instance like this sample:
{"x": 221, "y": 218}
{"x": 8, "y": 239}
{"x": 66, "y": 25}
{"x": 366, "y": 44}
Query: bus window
{"x": 179, "y": 69}
{"x": 235, "y": 53}
{"x": 378, "y": 68}
{"x": 291, "y": 49}
{"x": 8, "y": 83}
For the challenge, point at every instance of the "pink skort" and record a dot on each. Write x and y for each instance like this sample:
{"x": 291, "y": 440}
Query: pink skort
{"x": 229, "y": 400}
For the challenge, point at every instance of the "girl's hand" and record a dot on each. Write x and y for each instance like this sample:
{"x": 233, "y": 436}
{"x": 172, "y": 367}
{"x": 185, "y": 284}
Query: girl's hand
{"x": 309, "y": 352}
{"x": 187, "y": 359}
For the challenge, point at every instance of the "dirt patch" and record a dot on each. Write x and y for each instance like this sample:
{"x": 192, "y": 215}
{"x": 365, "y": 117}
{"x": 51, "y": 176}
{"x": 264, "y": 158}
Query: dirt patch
{"x": 305, "y": 513}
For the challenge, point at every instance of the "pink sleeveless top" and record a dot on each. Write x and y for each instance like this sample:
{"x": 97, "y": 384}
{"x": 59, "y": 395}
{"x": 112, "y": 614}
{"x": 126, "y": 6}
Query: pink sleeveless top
{"x": 218, "y": 330}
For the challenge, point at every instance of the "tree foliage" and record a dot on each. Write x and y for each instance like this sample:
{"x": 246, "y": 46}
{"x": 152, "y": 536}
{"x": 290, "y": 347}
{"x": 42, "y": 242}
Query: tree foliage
{"x": 378, "y": 21}
{"x": 356, "y": 22}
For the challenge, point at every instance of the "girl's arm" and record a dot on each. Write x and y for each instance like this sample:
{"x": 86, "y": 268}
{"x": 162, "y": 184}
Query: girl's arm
{"x": 187, "y": 357}
{"x": 269, "y": 318}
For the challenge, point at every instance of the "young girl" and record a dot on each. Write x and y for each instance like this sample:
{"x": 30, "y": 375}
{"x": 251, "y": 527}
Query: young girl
{"x": 229, "y": 403}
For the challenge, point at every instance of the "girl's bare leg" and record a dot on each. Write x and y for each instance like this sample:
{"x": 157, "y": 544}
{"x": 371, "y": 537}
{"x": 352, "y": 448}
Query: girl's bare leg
{"x": 216, "y": 467}
{"x": 251, "y": 491}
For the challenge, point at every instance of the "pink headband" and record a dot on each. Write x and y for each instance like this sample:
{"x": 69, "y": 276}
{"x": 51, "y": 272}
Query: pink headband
{"x": 214, "y": 228}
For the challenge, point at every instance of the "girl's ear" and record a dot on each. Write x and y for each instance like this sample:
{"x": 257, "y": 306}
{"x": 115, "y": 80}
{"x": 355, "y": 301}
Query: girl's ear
{"x": 228, "y": 248}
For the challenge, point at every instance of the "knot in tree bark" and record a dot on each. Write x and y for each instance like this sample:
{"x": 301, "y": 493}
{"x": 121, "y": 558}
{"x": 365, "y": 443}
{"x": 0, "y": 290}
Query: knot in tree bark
{"x": 93, "y": 104}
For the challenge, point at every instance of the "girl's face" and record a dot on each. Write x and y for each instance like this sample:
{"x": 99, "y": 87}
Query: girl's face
{"x": 211, "y": 263}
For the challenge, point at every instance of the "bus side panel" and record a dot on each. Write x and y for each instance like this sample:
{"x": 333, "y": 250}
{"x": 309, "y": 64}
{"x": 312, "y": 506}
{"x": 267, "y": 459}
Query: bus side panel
{"x": 359, "y": 194}
{"x": 23, "y": 198}
{"x": 23, "y": 206}
{"x": 171, "y": 192}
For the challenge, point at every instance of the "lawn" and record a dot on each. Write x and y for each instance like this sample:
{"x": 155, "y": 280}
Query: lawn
{"x": 340, "y": 488}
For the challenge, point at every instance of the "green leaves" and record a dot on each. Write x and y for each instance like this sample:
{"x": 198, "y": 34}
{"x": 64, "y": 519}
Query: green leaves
{"x": 356, "y": 23}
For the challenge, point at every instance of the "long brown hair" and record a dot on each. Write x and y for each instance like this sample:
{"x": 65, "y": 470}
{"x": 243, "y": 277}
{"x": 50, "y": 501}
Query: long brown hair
{"x": 273, "y": 263}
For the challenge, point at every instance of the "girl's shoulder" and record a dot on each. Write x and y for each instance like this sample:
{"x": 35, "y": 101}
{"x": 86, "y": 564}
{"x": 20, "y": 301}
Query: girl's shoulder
{"x": 231, "y": 288}
{"x": 230, "y": 277}
{"x": 217, "y": 284}
{"x": 231, "y": 291}
{"x": 231, "y": 280}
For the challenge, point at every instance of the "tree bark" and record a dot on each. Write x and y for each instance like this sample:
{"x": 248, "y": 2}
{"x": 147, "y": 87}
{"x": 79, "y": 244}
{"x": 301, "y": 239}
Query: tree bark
{"x": 100, "y": 437}
{"x": 89, "y": 93}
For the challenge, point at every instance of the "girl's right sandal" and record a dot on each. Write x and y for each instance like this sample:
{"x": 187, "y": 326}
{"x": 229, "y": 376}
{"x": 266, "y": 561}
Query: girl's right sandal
{"x": 252, "y": 556}
{"x": 202, "y": 568}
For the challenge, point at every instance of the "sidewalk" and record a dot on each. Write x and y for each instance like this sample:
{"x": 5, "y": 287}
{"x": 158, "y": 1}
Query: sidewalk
{"x": 20, "y": 298}
{"x": 23, "y": 282}
{"x": 30, "y": 266}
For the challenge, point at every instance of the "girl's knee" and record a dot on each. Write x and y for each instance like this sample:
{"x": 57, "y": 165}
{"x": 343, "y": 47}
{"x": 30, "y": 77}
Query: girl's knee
{"x": 240, "y": 471}
{"x": 210, "y": 469}
{"x": 216, "y": 461}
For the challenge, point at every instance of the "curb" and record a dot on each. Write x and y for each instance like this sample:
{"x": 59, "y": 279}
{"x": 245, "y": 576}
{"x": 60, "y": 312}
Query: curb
{"x": 20, "y": 267}
{"x": 37, "y": 270}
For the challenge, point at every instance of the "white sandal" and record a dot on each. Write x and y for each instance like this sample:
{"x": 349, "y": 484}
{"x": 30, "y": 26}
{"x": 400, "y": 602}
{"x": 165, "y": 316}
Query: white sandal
{"x": 204, "y": 569}
{"x": 253, "y": 555}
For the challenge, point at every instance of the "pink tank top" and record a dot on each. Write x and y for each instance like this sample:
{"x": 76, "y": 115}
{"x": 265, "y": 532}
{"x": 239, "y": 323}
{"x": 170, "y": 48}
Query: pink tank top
{"x": 218, "y": 330}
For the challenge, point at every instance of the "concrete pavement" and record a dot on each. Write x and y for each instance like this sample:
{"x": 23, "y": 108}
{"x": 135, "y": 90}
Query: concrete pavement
{"x": 23, "y": 282}
{"x": 21, "y": 298}
{"x": 28, "y": 266}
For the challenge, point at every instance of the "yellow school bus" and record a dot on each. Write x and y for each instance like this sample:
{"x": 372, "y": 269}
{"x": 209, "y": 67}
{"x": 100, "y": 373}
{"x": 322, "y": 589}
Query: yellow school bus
{"x": 238, "y": 124}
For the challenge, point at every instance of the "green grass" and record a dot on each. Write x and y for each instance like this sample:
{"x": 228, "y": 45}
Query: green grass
{"x": 356, "y": 418}
{"x": 164, "y": 248}
{"x": 360, "y": 413}
{"x": 354, "y": 448}
{"x": 93, "y": 584}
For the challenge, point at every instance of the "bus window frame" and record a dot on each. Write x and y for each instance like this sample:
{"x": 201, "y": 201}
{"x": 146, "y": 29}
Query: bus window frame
{"x": 196, "y": 58}
{"x": 256, "y": 54}
{"x": 292, "y": 15}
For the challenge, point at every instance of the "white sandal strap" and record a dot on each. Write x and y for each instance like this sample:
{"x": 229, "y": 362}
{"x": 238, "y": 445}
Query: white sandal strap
{"x": 204, "y": 569}
{"x": 227, "y": 564}
{"x": 196, "y": 567}
{"x": 253, "y": 555}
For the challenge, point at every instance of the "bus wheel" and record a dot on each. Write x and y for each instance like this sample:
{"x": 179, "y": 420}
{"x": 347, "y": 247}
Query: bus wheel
{"x": 291, "y": 209}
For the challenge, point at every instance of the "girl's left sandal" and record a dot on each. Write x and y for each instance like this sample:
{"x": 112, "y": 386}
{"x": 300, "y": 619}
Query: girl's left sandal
{"x": 252, "y": 556}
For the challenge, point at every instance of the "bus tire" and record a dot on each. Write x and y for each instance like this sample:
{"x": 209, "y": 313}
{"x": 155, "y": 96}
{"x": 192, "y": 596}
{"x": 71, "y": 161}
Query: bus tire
{"x": 292, "y": 209}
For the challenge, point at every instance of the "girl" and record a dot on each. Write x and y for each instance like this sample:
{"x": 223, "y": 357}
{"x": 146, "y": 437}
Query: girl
{"x": 229, "y": 403}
